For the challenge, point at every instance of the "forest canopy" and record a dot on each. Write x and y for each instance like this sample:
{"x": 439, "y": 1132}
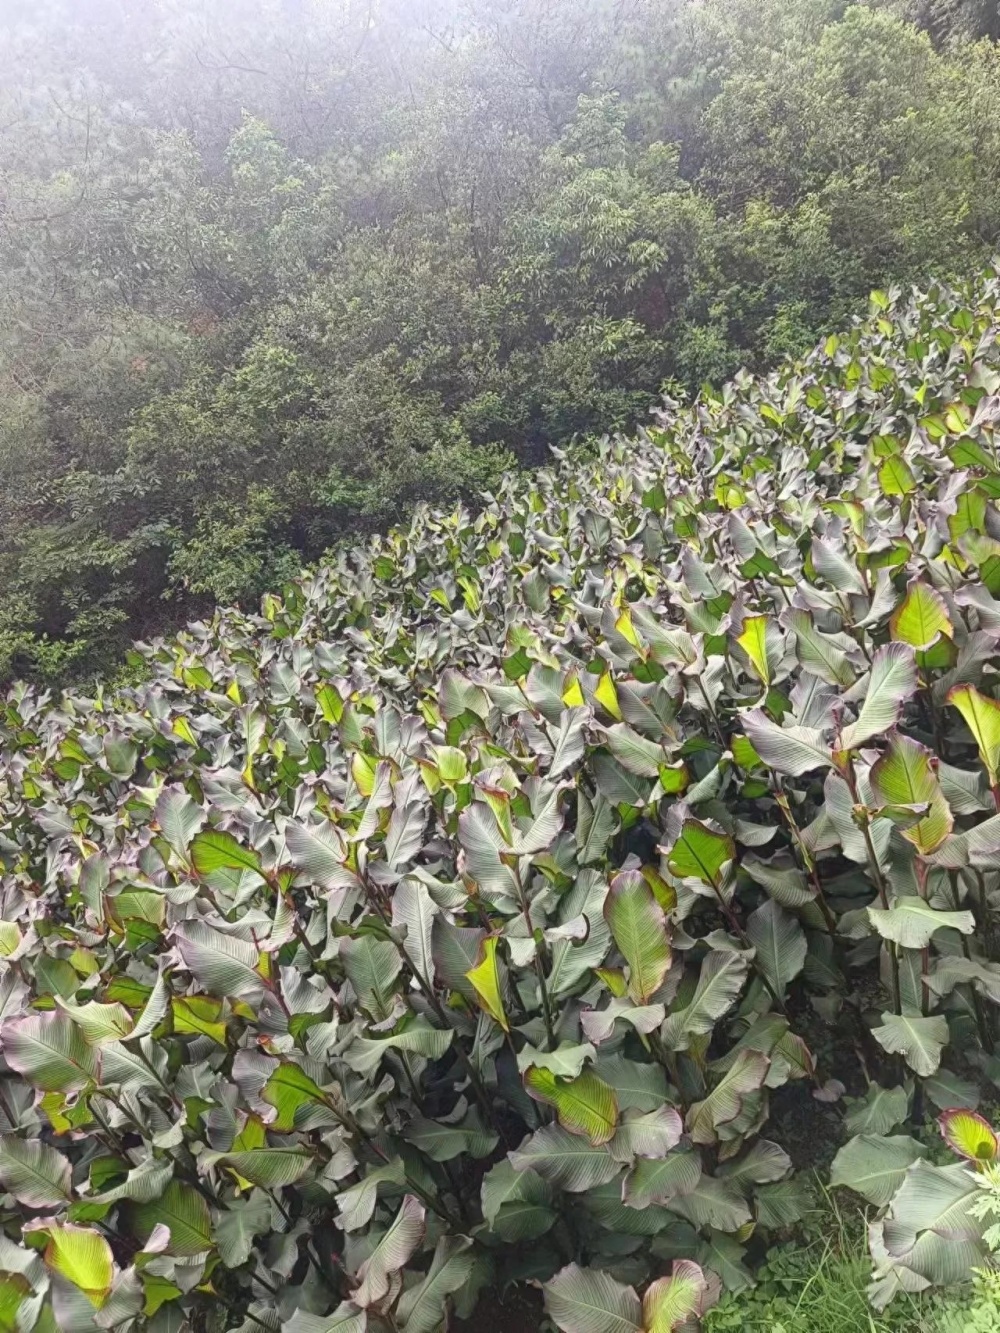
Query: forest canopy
{"x": 273, "y": 272}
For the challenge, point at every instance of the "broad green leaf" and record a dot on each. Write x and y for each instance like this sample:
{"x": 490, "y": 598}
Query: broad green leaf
{"x": 224, "y": 964}
{"x": 271, "y": 1168}
{"x": 670, "y": 1302}
{"x": 391, "y": 1253}
{"x": 200, "y": 1015}
{"x": 585, "y": 1104}
{"x": 780, "y": 944}
{"x": 930, "y": 1226}
{"x": 792, "y": 750}
{"x": 565, "y": 1159}
{"x": 10, "y": 938}
{"x": 647, "y": 1135}
{"x": 919, "y": 1040}
{"x": 413, "y": 910}
{"x": 726, "y": 1100}
{"x": 639, "y": 930}
{"x": 422, "y": 1308}
{"x": 635, "y": 753}
{"x": 719, "y": 983}
{"x": 982, "y": 716}
{"x": 875, "y": 1167}
{"x": 372, "y": 966}
{"x": 222, "y": 860}
{"x": 347, "y": 1318}
{"x": 701, "y": 852}
{"x": 318, "y": 851}
{"x": 485, "y": 979}
{"x": 878, "y": 1112}
{"x": 905, "y": 775}
{"x": 969, "y": 1135}
{"x": 288, "y": 1089}
{"x": 895, "y": 476}
{"x": 34, "y": 1173}
{"x": 587, "y": 1300}
{"x": 657, "y": 1180}
{"x": 99, "y": 1022}
{"x": 50, "y": 1051}
{"x": 516, "y": 1204}
{"x": 238, "y": 1226}
{"x": 754, "y": 642}
{"x": 912, "y": 922}
{"x": 712, "y": 1203}
{"x": 827, "y": 656}
{"x": 444, "y": 1141}
{"x": 892, "y": 682}
{"x": 414, "y": 1036}
{"x": 184, "y": 1211}
{"x": 921, "y": 617}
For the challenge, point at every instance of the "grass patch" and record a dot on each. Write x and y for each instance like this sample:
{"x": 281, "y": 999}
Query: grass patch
{"x": 819, "y": 1285}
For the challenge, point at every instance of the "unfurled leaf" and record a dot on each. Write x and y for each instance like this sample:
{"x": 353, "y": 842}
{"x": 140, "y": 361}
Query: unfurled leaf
{"x": 638, "y": 927}
{"x": 724, "y": 1103}
{"x": 81, "y": 1256}
{"x": 516, "y": 1203}
{"x": 719, "y": 983}
{"x": 422, "y": 1307}
{"x": 878, "y": 1112}
{"x": 754, "y": 642}
{"x": 270, "y": 1168}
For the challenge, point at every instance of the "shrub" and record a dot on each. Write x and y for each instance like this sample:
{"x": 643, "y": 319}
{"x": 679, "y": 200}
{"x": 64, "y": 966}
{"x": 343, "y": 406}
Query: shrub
{"x": 457, "y": 919}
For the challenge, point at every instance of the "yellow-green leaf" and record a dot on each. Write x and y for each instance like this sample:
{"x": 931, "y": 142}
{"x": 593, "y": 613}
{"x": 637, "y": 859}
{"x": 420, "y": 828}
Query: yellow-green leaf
{"x": 485, "y": 978}
{"x": 895, "y": 477}
{"x": 637, "y": 924}
{"x": 585, "y": 1105}
{"x": 906, "y": 775}
{"x": 83, "y": 1257}
{"x": 982, "y": 716}
{"x": 607, "y": 696}
{"x": 969, "y": 1135}
{"x": 921, "y": 617}
{"x": 753, "y": 641}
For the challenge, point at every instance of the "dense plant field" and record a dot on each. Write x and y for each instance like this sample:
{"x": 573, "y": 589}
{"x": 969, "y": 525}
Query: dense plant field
{"x": 515, "y": 900}
{"x": 274, "y": 271}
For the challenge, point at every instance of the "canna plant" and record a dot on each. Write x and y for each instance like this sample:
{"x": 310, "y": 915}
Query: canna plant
{"x": 473, "y": 913}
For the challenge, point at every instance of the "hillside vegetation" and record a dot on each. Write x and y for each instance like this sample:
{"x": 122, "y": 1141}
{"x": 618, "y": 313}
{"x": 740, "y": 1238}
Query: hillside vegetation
{"x": 537, "y": 893}
{"x": 273, "y": 271}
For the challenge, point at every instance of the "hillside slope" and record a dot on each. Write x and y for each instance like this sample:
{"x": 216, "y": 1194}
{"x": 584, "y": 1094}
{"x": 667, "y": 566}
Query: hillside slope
{"x": 466, "y": 915}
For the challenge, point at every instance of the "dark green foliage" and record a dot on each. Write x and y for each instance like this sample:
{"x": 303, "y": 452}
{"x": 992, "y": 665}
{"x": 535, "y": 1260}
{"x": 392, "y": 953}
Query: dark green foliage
{"x": 492, "y": 905}
{"x": 275, "y": 271}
